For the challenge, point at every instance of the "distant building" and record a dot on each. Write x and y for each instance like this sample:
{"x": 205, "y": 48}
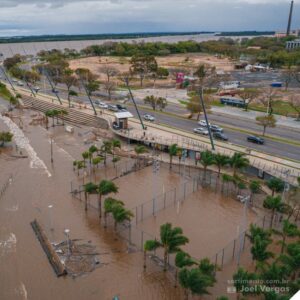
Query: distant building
{"x": 281, "y": 34}
{"x": 291, "y": 45}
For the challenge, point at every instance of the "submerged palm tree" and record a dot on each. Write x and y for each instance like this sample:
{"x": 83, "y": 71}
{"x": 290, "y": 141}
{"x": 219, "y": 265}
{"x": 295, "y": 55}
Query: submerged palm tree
{"x": 105, "y": 187}
{"x": 170, "y": 240}
{"x": 121, "y": 215}
{"x": 110, "y": 205}
{"x": 206, "y": 159}
{"x": 140, "y": 149}
{"x": 182, "y": 260}
{"x": 274, "y": 204}
{"x": 89, "y": 188}
{"x": 173, "y": 151}
{"x": 220, "y": 161}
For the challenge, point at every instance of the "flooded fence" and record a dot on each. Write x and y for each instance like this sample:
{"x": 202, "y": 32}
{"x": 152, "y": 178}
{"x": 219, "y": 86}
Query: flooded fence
{"x": 5, "y": 185}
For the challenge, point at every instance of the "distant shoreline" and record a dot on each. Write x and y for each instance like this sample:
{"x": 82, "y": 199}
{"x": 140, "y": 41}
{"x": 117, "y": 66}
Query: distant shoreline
{"x": 121, "y": 36}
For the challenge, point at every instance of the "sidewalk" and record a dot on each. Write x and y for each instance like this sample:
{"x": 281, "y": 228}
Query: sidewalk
{"x": 251, "y": 115}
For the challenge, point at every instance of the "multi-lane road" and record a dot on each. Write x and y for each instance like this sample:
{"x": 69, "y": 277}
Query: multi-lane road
{"x": 235, "y": 128}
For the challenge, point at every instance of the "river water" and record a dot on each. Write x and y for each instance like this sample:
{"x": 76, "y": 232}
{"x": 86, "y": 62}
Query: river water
{"x": 25, "y": 270}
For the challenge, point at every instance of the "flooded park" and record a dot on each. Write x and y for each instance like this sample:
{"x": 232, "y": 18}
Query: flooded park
{"x": 36, "y": 189}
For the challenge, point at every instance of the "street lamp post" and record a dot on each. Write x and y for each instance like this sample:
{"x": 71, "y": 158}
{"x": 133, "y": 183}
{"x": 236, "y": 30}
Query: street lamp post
{"x": 243, "y": 227}
{"x": 67, "y": 232}
{"x": 50, "y": 217}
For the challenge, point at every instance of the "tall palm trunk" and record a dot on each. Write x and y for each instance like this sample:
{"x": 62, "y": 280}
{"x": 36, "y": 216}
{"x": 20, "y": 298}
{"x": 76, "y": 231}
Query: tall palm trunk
{"x": 171, "y": 161}
{"x": 85, "y": 197}
{"x": 165, "y": 259}
{"x": 145, "y": 259}
{"x": 100, "y": 205}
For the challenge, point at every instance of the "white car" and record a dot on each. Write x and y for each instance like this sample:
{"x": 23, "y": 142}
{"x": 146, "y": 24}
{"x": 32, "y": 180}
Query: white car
{"x": 203, "y": 123}
{"x": 103, "y": 105}
{"x": 148, "y": 117}
{"x": 201, "y": 130}
{"x": 20, "y": 83}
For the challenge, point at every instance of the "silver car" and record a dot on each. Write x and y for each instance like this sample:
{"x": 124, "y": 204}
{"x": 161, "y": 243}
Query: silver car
{"x": 148, "y": 117}
{"x": 201, "y": 130}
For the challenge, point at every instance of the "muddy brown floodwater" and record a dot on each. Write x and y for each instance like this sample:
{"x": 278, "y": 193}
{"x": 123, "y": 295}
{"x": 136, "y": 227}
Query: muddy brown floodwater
{"x": 207, "y": 219}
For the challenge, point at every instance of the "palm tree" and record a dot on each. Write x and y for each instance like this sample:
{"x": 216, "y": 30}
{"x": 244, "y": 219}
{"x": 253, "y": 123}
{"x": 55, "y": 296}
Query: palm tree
{"x": 49, "y": 114}
{"x": 105, "y": 187}
{"x": 150, "y": 245}
{"x": 221, "y": 160}
{"x": 170, "y": 240}
{"x": 255, "y": 187}
{"x": 109, "y": 206}
{"x": 115, "y": 144}
{"x": 258, "y": 231}
{"x": 274, "y": 204}
{"x": 195, "y": 281}
{"x": 96, "y": 161}
{"x": 105, "y": 149}
{"x": 259, "y": 250}
{"x": 238, "y": 161}
{"x": 71, "y": 93}
{"x": 85, "y": 155}
{"x": 173, "y": 150}
{"x": 121, "y": 215}
{"x": 275, "y": 185}
{"x": 62, "y": 113}
{"x": 291, "y": 259}
{"x": 182, "y": 259}
{"x": 226, "y": 178}
{"x": 206, "y": 159}
{"x": 288, "y": 230}
{"x": 140, "y": 149}
{"x": 242, "y": 280}
{"x": 80, "y": 165}
{"x": 89, "y": 188}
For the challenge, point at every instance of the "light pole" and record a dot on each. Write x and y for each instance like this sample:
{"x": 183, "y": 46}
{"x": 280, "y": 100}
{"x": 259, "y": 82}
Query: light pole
{"x": 51, "y": 147}
{"x": 243, "y": 227}
{"x": 50, "y": 216}
{"x": 155, "y": 170}
{"x": 67, "y": 232}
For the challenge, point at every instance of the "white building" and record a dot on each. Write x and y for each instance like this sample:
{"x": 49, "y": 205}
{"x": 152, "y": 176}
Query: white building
{"x": 293, "y": 44}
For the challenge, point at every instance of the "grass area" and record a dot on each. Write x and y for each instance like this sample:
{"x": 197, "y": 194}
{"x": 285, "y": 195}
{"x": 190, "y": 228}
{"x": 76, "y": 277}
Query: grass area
{"x": 279, "y": 108}
{"x": 4, "y": 92}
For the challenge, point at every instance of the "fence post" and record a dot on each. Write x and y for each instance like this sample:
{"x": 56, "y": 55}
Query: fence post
{"x": 153, "y": 207}
{"x": 223, "y": 251}
{"x": 142, "y": 212}
{"x": 233, "y": 249}
{"x": 136, "y": 215}
{"x": 184, "y": 190}
{"x": 142, "y": 240}
{"x": 165, "y": 195}
{"x": 174, "y": 196}
{"x": 129, "y": 233}
{"x": 244, "y": 240}
{"x": 71, "y": 187}
{"x": 216, "y": 261}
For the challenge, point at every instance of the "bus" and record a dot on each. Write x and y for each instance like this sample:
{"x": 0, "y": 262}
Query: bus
{"x": 232, "y": 102}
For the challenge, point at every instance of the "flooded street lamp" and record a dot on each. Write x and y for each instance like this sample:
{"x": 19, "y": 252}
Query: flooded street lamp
{"x": 67, "y": 232}
{"x": 243, "y": 227}
{"x": 50, "y": 217}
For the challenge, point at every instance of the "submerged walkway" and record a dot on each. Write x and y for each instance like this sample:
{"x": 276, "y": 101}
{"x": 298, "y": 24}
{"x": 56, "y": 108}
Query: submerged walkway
{"x": 162, "y": 135}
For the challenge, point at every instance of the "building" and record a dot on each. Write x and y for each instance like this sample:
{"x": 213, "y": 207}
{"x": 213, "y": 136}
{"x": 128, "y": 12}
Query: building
{"x": 281, "y": 34}
{"x": 291, "y": 45}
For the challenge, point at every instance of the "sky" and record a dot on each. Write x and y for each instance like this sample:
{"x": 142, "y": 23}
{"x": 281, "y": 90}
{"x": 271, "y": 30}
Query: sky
{"x": 36, "y": 17}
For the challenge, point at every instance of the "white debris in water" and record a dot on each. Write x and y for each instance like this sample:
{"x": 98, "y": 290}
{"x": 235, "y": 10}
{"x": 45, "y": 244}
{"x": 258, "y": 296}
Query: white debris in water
{"x": 21, "y": 290}
{"x": 22, "y": 142}
{"x": 8, "y": 245}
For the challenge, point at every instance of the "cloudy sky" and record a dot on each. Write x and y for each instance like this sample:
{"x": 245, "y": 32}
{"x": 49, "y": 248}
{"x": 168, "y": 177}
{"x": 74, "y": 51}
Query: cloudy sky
{"x": 35, "y": 17}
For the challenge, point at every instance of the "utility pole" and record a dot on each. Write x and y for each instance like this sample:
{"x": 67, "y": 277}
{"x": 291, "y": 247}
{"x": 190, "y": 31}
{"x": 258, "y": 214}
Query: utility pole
{"x": 52, "y": 86}
{"x": 290, "y": 19}
{"x": 136, "y": 108}
{"x": 206, "y": 118}
{"x": 86, "y": 91}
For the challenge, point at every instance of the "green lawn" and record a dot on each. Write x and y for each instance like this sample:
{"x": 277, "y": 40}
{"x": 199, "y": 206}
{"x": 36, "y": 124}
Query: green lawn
{"x": 4, "y": 92}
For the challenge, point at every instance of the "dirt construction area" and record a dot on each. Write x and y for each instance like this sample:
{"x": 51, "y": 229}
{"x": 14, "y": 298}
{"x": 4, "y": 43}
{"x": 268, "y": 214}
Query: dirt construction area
{"x": 175, "y": 62}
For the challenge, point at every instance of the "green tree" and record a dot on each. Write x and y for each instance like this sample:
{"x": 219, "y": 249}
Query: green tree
{"x": 71, "y": 93}
{"x": 182, "y": 259}
{"x": 274, "y": 204}
{"x": 156, "y": 102}
{"x": 109, "y": 206}
{"x": 242, "y": 281}
{"x": 139, "y": 150}
{"x": 173, "y": 150}
{"x": 206, "y": 159}
{"x": 115, "y": 144}
{"x": 150, "y": 245}
{"x": 142, "y": 65}
{"x": 288, "y": 230}
{"x": 106, "y": 148}
{"x": 105, "y": 187}
{"x": 266, "y": 121}
{"x": 259, "y": 250}
{"x": 170, "y": 240}
{"x": 5, "y": 137}
{"x": 255, "y": 187}
{"x": 89, "y": 188}
{"x": 121, "y": 214}
{"x": 221, "y": 160}
{"x": 275, "y": 185}
{"x": 291, "y": 259}
{"x": 162, "y": 72}
{"x": 238, "y": 162}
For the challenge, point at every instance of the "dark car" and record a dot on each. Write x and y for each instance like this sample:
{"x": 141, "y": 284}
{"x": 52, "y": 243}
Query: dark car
{"x": 255, "y": 139}
{"x": 216, "y": 128}
{"x": 121, "y": 107}
{"x": 115, "y": 126}
{"x": 113, "y": 107}
{"x": 220, "y": 136}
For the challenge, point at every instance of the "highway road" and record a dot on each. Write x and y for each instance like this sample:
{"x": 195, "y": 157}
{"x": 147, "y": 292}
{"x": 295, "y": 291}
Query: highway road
{"x": 232, "y": 126}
